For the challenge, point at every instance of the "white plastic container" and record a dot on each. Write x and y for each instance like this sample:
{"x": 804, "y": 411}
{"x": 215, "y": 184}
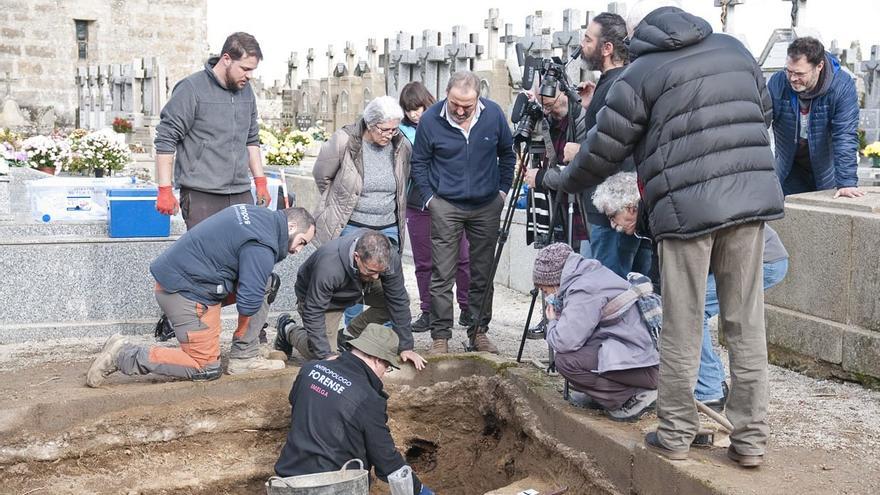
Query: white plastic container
{"x": 72, "y": 199}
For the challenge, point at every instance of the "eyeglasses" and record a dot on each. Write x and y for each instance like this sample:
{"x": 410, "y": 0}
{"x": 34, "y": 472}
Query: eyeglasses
{"x": 387, "y": 132}
{"x": 388, "y": 367}
{"x": 797, "y": 75}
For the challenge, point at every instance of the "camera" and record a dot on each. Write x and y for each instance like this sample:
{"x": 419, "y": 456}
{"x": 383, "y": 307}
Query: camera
{"x": 525, "y": 114}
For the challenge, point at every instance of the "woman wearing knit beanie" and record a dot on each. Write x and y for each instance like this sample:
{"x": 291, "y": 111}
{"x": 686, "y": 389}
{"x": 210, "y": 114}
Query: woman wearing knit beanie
{"x": 609, "y": 358}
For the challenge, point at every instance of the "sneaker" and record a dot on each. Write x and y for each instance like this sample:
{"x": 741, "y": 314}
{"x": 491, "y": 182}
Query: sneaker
{"x": 439, "y": 346}
{"x": 483, "y": 344}
{"x": 263, "y": 337}
{"x": 105, "y": 362}
{"x": 163, "y": 331}
{"x": 257, "y": 363}
{"x": 717, "y": 405}
{"x": 281, "y": 343}
{"x": 538, "y": 331}
{"x": 422, "y": 323}
{"x": 652, "y": 442}
{"x": 465, "y": 319}
{"x": 583, "y": 401}
{"x": 746, "y": 461}
{"x": 634, "y": 407}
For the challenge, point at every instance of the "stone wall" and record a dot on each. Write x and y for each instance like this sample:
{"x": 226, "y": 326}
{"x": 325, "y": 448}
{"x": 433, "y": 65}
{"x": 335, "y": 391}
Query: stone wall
{"x": 827, "y": 309}
{"x": 38, "y": 45}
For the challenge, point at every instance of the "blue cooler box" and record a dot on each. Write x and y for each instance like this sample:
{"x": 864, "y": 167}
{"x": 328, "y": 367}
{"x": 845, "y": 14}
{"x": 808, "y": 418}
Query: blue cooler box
{"x": 131, "y": 212}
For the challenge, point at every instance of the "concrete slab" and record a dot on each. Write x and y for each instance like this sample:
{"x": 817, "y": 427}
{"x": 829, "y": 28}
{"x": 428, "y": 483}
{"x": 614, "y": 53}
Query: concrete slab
{"x": 861, "y": 351}
{"x": 869, "y": 203}
{"x": 804, "y": 334}
{"x": 820, "y": 244}
{"x": 864, "y": 303}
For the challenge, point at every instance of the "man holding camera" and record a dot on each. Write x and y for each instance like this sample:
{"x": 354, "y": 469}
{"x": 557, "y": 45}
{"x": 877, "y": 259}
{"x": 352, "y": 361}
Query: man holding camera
{"x": 602, "y": 49}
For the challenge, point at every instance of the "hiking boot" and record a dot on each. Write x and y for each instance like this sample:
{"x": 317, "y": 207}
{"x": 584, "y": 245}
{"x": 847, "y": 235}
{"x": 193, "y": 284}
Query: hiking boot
{"x": 257, "y": 363}
{"x": 438, "y": 347}
{"x": 264, "y": 339}
{"x": 652, "y": 442}
{"x": 105, "y": 361}
{"x": 483, "y": 344}
{"x": 281, "y": 343}
{"x": 163, "y": 331}
{"x": 342, "y": 340}
{"x": 538, "y": 331}
{"x": 583, "y": 401}
{"x": 634, "y": 407}
{"x": 717, "y": 405}
{"x": 422, "y": 323}
{"x": 746, "y": 461}
{"x": 465, "y": 319}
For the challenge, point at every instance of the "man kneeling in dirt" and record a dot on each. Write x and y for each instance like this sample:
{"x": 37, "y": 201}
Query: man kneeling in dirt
{"x": 357, "y": 268}
{"x": 603, "y": 346}
{"x": 226, "y": 259}
{"x": 339, "y": 412}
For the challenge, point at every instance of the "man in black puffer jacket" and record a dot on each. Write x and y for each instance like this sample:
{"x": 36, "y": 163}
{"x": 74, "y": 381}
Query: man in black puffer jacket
{"x": 693, "y": 110}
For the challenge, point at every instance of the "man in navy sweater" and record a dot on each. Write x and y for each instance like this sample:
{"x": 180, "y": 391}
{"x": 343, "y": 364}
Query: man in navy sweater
{"x": 463, "y": 162}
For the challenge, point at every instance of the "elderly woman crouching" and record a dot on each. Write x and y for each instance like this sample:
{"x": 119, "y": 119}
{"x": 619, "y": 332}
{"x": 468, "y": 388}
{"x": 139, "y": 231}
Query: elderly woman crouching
{"x": 361, "y": 174}
{"x": 606, "y": 352}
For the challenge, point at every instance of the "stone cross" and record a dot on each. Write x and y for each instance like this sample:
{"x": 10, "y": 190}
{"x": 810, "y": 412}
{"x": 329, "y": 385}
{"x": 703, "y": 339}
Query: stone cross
{"x": 430, "y": 54}
{"x": 8, "y": 79}
{"x": 310, "y": 60}
{"x": 492, "y": 24}
{"x": 728, "y": 7}
{"x": 292, "y": 69}
{"x": 401, "y": 62}
{"x": 372, "y": 54}
{"x": 570, "y": 37}
{"x": 330, "y": 56}
{"x": 509, "y": 40}
{"x": 537, "y": 41}
{"x": 459, "y": 53}
{"x": 798, "y": 9}
{"x": 350, "y": 54}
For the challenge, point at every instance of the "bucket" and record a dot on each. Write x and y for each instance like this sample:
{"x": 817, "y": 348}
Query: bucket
{"x": 343, "y": 482}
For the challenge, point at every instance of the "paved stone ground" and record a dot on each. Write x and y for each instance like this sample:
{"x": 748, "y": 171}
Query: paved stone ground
{"x": 842, "y": 419}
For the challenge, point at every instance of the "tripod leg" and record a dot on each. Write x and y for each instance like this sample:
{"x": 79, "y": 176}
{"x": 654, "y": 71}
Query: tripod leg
{"x": 522, "y": 343}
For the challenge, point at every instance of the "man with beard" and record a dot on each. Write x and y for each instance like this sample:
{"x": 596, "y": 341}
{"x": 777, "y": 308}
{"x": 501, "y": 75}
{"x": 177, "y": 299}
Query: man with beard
{"x": 360, "y": 267}
{"x": 602, "y": 49}
{"x": 208, "y": 135}
{"x": 815, "y": 118}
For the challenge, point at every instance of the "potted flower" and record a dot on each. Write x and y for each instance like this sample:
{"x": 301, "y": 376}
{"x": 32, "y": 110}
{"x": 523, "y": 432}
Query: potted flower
{"x": 46, "y": 154}
{"x": 100, "y": 153}
{"x": 872, "y": 151}
{"x": 288, "y": 149}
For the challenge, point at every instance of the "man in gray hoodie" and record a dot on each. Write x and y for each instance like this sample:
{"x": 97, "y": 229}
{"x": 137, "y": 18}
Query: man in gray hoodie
{"x": 208, "y": 135}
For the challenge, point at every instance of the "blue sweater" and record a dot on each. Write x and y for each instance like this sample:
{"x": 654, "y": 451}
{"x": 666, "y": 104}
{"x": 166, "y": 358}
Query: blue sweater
{"x": 468, "y": 173}
{"x": 233, "y": 250}
{"x": 832, "y": 136}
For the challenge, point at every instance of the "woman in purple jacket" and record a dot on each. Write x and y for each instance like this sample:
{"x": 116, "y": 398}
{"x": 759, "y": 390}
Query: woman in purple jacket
{"x": 604, "y": 350}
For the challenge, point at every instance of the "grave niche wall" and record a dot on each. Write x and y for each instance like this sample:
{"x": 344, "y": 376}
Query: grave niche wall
{"x": 38, "y": 44}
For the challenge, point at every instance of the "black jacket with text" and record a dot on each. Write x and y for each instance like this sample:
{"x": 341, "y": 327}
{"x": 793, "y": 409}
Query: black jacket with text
{"x": 693, "y": 110}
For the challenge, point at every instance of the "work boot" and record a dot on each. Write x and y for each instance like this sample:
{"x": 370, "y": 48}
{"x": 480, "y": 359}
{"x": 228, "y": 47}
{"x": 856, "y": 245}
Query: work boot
{"x": 483, "y": 344}
{"x": 652, "y": 442}
{"x": 439, "y": 346}
{"x": 717, "y": 405}
{"x": 105, "y": 362}
{"x": 538, "y": 331}
{"x": 257, "y": 363}
{"x": 746, "y": 461}
{"x": 634, "y": 407}
{"x": 281, "y": 343}
{"x": 465, "y": 319}
{"x": 422, "y": 323}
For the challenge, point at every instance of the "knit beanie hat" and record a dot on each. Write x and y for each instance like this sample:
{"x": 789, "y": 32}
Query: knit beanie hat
{"x": 549, "y": 263}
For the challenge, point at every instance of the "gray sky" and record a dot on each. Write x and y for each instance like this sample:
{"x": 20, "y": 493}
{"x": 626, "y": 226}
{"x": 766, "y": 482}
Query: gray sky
{"x": 285, "y": 26}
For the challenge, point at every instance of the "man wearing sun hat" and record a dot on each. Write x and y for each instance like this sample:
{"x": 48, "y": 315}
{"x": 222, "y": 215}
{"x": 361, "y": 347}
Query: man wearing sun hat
{"x": 339, "y": 412}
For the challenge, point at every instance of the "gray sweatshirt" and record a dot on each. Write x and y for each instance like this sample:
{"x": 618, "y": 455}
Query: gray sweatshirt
{"x": 209, "y": 128}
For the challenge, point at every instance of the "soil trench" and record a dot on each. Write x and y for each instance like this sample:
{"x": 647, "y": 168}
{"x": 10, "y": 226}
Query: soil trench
{"x": 470, "y": 436}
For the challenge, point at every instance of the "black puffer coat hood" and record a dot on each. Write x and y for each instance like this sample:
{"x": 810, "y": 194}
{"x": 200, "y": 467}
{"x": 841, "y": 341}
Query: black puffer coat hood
{"x": 693, "y": 110}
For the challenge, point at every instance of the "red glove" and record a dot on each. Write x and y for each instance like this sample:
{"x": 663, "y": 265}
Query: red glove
{"x": 263, "y": 197}
{"x": 166, "y": 203}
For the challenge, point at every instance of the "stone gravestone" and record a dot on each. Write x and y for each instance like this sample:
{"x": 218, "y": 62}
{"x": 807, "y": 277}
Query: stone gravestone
{"x": 430, "y": 55}
{"x": 568, "y": 40}
{"x": 869, "y": 117}
{"x": 10, "y": 114}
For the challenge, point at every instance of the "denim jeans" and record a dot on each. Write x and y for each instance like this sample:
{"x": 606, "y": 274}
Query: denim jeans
{"x": 619, "y": 252}
{"x": 393, "y": 235}
{"x": 711, "y": 373}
